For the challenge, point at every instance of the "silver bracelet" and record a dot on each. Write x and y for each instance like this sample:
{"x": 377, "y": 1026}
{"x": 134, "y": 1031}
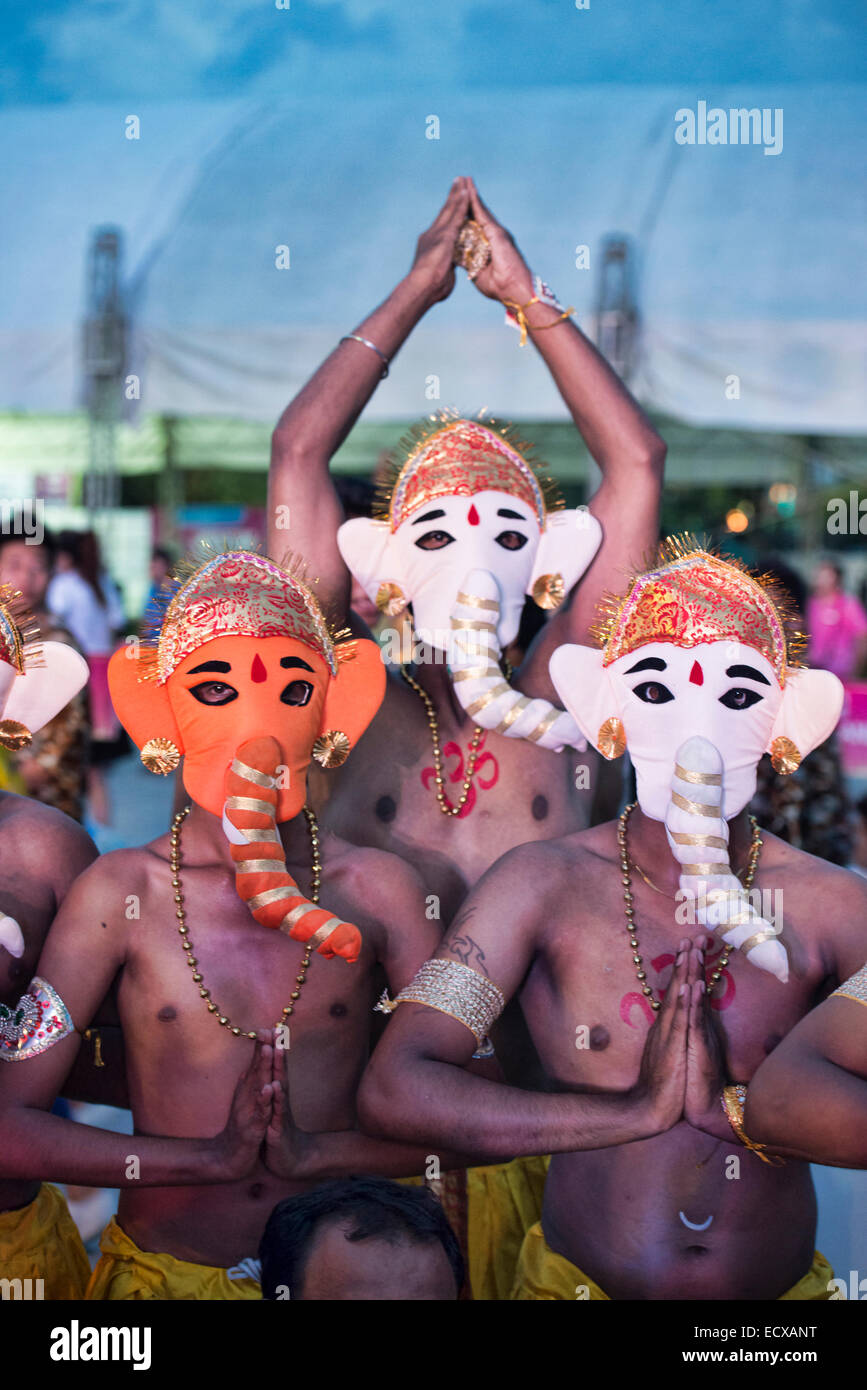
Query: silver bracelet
{"x": 356, "y": 338}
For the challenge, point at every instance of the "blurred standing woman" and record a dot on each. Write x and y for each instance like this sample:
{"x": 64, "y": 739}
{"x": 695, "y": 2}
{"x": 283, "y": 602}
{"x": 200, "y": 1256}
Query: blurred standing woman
{"x": 84, "y": 598}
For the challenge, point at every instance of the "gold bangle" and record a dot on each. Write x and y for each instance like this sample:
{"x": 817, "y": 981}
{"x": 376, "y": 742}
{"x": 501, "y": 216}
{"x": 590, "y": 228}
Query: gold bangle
{"x": 519, "y": 310}
{"x": 733, "y": 1101}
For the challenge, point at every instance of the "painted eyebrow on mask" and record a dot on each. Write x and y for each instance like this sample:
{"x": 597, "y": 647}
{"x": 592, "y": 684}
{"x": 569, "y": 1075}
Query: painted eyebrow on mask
{"x": 514, "y": 516}
{"x": 428, "y": 516}
{"x": 749, "y": 671}
{"x": 287, "y": 661}
{"x": 650, "y": 663}
{"x": 221, "y": 666}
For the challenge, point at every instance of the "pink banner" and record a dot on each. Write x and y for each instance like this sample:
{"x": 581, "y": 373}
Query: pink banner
{"x": 852, "y": 730}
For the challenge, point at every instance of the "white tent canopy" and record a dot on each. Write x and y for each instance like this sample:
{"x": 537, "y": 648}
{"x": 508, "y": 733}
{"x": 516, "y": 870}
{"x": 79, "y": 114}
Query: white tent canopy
{"x": 749, "y": 264}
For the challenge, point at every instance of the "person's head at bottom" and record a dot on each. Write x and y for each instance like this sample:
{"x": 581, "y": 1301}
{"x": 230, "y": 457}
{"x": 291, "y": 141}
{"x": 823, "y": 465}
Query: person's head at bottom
{"x": 360, "y": 1238}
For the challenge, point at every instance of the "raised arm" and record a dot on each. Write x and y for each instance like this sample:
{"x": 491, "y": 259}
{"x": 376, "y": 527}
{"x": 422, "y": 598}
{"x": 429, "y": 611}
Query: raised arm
{"x": 617, "y": 433}
{"x": 79, "y": 961}
{"x": 315, "y": 424}
{"x": 416, "y": 1088}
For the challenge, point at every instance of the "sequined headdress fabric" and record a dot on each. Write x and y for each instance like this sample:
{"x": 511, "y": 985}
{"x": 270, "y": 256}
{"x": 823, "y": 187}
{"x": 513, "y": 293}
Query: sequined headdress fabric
{"x": 449, "y": 456}
{"x": 19, "y": 634}
{"x": 690, "y": 596}
{"x": 236, "y": 594}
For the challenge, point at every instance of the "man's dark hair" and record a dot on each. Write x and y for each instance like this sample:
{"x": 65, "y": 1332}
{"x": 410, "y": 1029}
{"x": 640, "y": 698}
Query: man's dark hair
{"x": 376, "y": 1208}
{"x": 159, "y": 552}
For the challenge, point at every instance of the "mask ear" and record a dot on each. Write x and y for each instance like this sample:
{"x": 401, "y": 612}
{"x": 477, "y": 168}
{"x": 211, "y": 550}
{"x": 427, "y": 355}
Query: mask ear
{"x": 567, "y": 546}
{"x": 142, "y": 706}
{"x": 367, "y": 549}
{"x": 810, "y": 708}
{"x": 585, "y": 688}
{"x": 355, "y": 693}
{"x": 43, "y": 690}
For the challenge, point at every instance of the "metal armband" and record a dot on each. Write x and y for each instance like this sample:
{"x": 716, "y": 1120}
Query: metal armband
{"x": 38, "y": 1021}
{"x": 458, "y": 991}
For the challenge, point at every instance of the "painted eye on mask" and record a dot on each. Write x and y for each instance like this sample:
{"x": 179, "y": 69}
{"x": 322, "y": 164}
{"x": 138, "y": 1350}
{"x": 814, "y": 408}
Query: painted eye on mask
{"x": 296, "y": 693}
{"x": 213, "y": 693}
{"x": 434, "y": 540}
{"x": 512, "y": 540}
{"x": 652, "y": 693}
{"x": 740, "y": 698}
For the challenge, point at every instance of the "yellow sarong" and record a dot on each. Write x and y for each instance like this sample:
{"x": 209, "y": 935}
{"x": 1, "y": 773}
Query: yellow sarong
{"x": 490, "y": 1210}
{"x": 124, "y": 1272}
{"x": 543, "y": 1274}
{"x": 41, "y": 1241}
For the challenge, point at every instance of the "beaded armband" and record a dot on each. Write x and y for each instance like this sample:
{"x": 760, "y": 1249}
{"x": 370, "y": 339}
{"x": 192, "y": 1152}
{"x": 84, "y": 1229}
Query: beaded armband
{"x": 38, "y": 1021}
{"x": 458, "y": 991}
{"x": 855, "y": 987}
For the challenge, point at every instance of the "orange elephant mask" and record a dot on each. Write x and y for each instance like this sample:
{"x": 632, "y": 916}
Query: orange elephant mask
{"x": 244, "y": 659}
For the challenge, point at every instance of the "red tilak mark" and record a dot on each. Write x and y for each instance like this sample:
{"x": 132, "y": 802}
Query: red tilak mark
{"x": 472, "y": 515}
{"x": 258, "y": 672}
{"x": 695, "y": 675}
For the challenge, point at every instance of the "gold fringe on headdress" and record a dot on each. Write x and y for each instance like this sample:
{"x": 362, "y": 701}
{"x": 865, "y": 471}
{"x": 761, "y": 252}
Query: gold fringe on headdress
{"x": 19, "y": 631}
{"x": 279, "y": 595}
{"x": 457, "y": 455}
{"x": 720, "y": 601}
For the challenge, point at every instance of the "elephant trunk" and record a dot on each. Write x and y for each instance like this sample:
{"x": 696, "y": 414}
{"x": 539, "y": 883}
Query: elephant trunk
{"x": 699, "y": 839}
{"x": 481, "y": 687}
{"x": 261, "y": 876}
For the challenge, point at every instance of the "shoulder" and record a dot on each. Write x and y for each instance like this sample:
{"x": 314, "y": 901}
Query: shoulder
{"x": 43, "y": 830}
{"x": 375, "y": 876}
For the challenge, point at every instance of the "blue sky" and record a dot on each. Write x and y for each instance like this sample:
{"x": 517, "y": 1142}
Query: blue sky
{"x": 102, "y": 50}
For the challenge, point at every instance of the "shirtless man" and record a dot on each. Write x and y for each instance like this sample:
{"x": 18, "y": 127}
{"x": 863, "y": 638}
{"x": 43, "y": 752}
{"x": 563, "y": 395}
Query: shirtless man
{"x": 387, "y": 795}
{"x": 244, "y": 648}
{"x": 642, "y": 1201}
{"x": 810, "y": 1097}
{"x": 42, "y": 851}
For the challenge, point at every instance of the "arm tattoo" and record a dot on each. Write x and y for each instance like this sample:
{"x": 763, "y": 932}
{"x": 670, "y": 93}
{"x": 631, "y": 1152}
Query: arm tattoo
{"x": 469, "y": 953}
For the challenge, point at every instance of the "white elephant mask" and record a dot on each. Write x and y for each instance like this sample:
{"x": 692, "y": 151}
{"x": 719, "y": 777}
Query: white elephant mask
{"x": 698, "y": 648}
{"x": 36, "y": 681}
{"x": 466, "y": 498}
{"x": 696, "y": 680}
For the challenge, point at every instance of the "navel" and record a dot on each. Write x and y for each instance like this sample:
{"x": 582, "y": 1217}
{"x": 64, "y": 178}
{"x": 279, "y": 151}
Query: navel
{"x": 256, "y": 1189}
{"x": 386, "y": 809}
{"x": 539, "y": 807}
{"x": 167, "y": 1013}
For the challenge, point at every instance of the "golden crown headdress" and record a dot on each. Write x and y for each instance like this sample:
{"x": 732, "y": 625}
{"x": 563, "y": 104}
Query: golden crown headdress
{"x": 19, "y": 631}
{"x": 447, "y": 455}
{"x": 237, "y": 593}
{"x": 689, "y": 594}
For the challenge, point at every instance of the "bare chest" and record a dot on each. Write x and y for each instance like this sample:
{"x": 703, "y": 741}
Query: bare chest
{"x": 393, "y": 791}
{"x": 586, "y": 1000}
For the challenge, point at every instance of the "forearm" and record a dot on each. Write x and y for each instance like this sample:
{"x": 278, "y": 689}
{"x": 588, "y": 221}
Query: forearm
{"x": 451, "y": 1105}
{"x": 43, "y": 1147}
{"x": 318, "y": 420}
{"x": 615, "y": 429}
{"x": 817, "y": 1113}
{"x": 341, "y": 1154}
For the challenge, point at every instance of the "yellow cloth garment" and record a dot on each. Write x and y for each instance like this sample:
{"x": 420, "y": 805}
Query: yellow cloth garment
{"x": 543, "y": 1274}
{"x": 124, "y": 1272}
{"x": 490, "y": 1210}
{"x": 41, "y": 1241}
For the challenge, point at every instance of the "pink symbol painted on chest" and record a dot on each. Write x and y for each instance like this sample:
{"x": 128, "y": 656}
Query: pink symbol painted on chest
{"x": 485, "y": 776}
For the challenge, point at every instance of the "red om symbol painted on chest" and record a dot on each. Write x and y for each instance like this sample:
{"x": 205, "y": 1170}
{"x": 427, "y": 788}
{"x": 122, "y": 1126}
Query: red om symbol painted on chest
{"x": 485, "y": 775}
{"x": 660, "y": 963}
